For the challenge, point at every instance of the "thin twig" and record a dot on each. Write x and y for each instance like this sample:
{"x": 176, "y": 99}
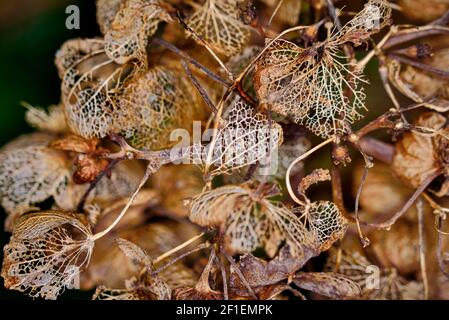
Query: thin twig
{"x": 185, "y": 56}
{"x": 364, "y": 240}
{"x": 240, "y": 274}
{"x": 182, "y": 256}
{"x": 387, "y": 224}
{"x": 178, "y": 248}
{"x": 198, "y": 86}
{"x": 422, "y": 247}
{"x": 204, "y": 43}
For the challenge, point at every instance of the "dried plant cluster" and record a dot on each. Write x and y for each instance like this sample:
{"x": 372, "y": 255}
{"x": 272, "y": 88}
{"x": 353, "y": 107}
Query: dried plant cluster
{"x": 105, "y": 196}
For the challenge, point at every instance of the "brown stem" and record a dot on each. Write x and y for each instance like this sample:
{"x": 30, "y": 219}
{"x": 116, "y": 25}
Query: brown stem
{"x": 407, "y": 35}
{"x": 239, "y": 274}
{"x": 422, "y": 247}
{"x": 185, "y": 56}
{"x": 337, "y": 191}
{"x": 425, "y": 67}
{"x": 387, "y": 224}
{"x": 377, "y": 149}
{"x": 198, "y": 86}
{"x": 441, "y": 261}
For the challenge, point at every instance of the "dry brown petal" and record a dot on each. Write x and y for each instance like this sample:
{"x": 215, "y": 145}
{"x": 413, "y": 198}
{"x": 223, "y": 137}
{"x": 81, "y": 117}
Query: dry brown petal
{"x": 416, "y": 157}
{"x": 245, "y": 137}
{"x": 31, "y": 175}
{"x": 421, "y": 86}
{"x": 155, "y": 103}
{"x": 297, "y": 82}
{"x": 218, "y": 23}
{"x": 130, "y": 30}
{"x": 329, "y": 284}
{"x": 288, "y": 13}
{"x": 76, "y": 144}
{"x": 106, "y": 11}
{"x": 91, "y": 86}
{"x": 202, "y": 290}
{"x": 327, "y": 223}
{"x": 46, "y": 253}
{"x": 375, "y": 282}
{"x": 382, "y": 193}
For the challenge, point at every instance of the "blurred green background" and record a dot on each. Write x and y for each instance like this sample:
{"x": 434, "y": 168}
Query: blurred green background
{"x": 31, "y": 31}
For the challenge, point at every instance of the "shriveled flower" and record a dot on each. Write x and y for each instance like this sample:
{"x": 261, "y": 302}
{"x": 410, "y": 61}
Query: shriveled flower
{"x": 46, "y": 253}
{"x": 245, "y": 137}
{"x": 154, "y": 103}
{"x": 421, "y": 155}
{"x": 308, "y": 84}
{"x": 91, "y": 86}
{"x": 390, "y": 285}
{"x": 217, "y": 21}
{"x": 248, "y": 218}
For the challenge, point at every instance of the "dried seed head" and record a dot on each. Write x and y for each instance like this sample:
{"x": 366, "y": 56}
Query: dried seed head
{"x": 46, "y": 253}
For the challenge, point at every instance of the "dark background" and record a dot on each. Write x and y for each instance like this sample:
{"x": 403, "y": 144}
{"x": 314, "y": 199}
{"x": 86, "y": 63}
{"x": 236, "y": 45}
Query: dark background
{"x": 31, "y": 31}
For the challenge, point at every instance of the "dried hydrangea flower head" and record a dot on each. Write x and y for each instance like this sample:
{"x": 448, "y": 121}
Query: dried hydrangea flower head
{"x": 217, "y": 21}
{"x": 308, "y": 84}
{"x": 46, "y": 253}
